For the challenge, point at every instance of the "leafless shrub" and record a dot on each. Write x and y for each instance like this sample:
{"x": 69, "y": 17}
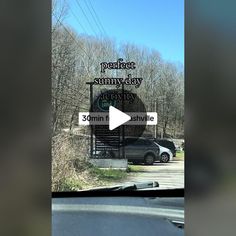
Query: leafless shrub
{"x": 69, "y": 156}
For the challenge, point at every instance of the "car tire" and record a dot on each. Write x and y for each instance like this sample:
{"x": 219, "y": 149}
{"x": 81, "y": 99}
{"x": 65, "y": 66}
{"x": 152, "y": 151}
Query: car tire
{"x": 149, "y": 159}
{"x": 165, "y": 157}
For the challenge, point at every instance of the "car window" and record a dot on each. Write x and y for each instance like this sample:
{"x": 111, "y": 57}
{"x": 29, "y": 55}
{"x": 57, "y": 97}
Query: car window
{"x": 129, "y": 141}
{"x": 142, "y": 142}
{"x": 166, "y": 143}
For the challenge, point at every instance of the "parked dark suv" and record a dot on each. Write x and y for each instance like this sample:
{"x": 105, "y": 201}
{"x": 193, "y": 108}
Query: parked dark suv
{"x": 141, "y": 150}
{"x": 167, "y": 144}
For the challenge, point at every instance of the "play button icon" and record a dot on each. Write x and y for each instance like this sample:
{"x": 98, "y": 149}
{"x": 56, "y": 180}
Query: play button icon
{"x": 117, "y": 118}
{"x": 118, "y": 107}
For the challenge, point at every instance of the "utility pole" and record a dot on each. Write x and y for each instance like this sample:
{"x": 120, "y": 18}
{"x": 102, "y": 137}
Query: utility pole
{"x": 91, "y": 110}
{"x": 156, "y": 126}
{"x": 159, "y": 99}
{"x": 123, "y": 127}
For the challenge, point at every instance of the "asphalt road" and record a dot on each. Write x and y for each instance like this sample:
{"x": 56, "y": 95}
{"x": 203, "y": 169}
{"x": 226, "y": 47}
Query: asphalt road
{"x": 168, "y": 175}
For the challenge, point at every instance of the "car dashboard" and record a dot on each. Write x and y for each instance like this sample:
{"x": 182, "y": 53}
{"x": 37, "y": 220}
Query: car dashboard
{"x": 116, "y": 216}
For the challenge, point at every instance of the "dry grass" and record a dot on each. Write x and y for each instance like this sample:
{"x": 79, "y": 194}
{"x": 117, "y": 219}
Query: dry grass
{"x": 68, "y": 159}
{"x": 71, "y": 169}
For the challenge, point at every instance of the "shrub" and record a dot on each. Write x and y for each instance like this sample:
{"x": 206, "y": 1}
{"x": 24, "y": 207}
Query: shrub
{"x": 68, "y": 157}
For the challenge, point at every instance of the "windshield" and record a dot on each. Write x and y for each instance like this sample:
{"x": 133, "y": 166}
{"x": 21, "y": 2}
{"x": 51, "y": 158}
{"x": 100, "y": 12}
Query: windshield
{"x": 113, "y": 100}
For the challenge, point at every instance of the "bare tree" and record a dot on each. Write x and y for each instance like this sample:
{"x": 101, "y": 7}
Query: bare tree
{"x": 76, "y": 59}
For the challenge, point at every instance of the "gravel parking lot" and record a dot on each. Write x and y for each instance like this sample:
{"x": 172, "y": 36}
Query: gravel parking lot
{"x": 168, "y": 175}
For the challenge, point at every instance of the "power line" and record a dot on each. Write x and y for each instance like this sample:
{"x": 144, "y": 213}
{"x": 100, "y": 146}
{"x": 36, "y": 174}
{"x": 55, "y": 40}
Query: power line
{"x": 76, "y": 41}
{"x": 73, "y": 38}
{"x": 87, "y": 73}
{"x": 97, "y": 17}
{"x": 77, "y": 19}
{"x": 95, "y": 20}
{"x": 82, "y": 25}
{"x": 86, "y": 17}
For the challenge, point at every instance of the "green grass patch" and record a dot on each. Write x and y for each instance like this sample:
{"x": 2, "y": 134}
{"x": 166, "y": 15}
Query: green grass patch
{"x": 180, "y": 155}
{"x": 134, "y": 168}
{"x": 108, "y": 174}
{"x": 95, "y": 177}
{"x": 70, "y": 185}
